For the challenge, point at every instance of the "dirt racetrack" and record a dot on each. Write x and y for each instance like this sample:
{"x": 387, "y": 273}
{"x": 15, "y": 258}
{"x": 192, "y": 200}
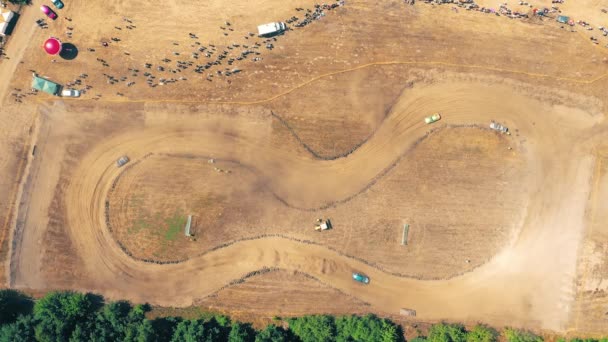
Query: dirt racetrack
{"x": 288, "y": 176}
{"x": 238, "y": 205}
{"x": 505, "y": 229}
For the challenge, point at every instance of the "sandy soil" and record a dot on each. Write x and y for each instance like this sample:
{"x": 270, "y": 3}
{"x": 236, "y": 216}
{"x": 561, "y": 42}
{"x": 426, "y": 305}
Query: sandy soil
{"x": 238, "y": 205}
{"x": 592, "y": 280}
{"x": 281, "y": 293}
{"x": 328, "y": 123}
{"x": 536, "y": 247}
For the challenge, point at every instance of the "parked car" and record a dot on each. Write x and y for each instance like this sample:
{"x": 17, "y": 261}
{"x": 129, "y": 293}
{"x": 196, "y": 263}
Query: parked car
{"x": 360, "y": 278}
{"x": 70, "y": 93}
{"x": 432, "y": 118}
{"x": 48, "y": 11}
{"x": 122, "y": 161}
{"x": 57, "y": 3}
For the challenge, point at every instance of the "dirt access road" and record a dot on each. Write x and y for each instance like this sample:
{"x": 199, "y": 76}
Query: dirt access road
{"x": 554, "y": 108}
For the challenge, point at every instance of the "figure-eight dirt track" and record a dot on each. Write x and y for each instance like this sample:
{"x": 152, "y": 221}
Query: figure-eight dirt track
{"x": 326, "y": 122}
{"x": 523, "y": 284}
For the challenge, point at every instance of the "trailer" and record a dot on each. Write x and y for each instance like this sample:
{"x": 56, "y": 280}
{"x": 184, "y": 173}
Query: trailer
{"x": 271, "y": 29}
{"x": 407, "y": 312}
{"x": 187, "y": 228}
{"x": 406, "y": 229}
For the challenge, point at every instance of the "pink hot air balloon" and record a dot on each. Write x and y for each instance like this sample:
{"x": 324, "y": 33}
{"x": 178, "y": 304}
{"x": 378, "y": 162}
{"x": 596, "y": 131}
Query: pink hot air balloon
{"x": 52, "y": 46}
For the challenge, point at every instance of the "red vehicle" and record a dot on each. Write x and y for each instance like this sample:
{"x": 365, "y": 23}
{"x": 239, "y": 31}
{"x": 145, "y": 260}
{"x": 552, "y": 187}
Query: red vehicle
{"x": 48, "y": 11}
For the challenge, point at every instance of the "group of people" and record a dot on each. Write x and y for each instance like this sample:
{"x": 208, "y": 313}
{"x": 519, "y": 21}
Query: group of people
{"x": 221, "y": 62}
{"x": 504, "y": 10}
{"x": 216, "y": 57}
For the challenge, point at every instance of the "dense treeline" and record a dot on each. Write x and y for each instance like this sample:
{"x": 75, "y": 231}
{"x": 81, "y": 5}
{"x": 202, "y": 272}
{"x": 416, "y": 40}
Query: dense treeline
{"x": 74, "y": 317}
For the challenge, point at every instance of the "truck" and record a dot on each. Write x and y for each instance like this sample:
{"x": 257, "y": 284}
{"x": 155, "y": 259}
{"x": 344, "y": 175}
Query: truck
{"x": 271, "y": 29}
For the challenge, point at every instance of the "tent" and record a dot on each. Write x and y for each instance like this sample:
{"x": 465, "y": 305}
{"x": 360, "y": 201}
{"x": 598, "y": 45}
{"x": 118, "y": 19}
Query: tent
{"x": 3, "y": 28}
{"x": 5, "y": 18}
{"x": 46, "y": 86}
{"x": 563, "y": 19}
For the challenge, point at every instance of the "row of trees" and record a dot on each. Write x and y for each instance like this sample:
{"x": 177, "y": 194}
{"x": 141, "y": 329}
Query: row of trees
{"x": 75, "y": 317}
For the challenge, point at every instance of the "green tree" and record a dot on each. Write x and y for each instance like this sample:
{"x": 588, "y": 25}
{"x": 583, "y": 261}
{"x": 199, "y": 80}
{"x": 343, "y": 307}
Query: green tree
{"x": 221, "y": 320}
{"x": 391, "y": 332}
{"x": 165, "y": 327}
{"x": 482, "y": 333}
{"x": 443, "y": 332}
{"x": 81, "y": 333}
{"x": 58, "y": 313}
{"x": 319, "y": 328}
{"x": 240, "y": 333}
{"x": 514, "y": 335}
{"x": 111, "y": 322}
{"x": 146, "y": 332}
{"x": 418, "y": 339}
{"x": 118, "y": 321}
{"x": 367, "y": 328}
{"x": 272, "y": 333}
{"x": 197, "y": 331}
{"x": 22, "y": 330}
{"x": 12, "y": 304}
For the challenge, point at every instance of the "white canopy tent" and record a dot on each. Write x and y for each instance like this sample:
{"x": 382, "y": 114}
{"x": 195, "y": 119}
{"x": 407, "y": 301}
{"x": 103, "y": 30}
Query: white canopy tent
{"x": 3, "y": 27}
{"x": 5, "y": 18}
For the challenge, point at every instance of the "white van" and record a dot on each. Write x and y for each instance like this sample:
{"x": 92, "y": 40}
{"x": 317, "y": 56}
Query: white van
{"x": 271, "y": 28}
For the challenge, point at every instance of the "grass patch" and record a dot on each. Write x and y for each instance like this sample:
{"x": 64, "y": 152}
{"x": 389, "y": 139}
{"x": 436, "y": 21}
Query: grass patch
{"x": 141, "y": 221}
{"x": 138, "y": 225}
{"x": 174, "y": 224}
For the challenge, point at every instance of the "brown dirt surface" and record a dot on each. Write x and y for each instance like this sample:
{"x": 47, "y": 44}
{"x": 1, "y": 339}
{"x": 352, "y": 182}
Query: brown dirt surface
{"x": 283, "y": 294}
{"x": 329, "y": 123}
{"x": 590, "y": 313}
{"x": 151, "y": 199}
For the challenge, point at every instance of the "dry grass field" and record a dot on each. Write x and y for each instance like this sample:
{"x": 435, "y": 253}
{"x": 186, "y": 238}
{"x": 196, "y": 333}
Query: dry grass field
{"x": 327, "y": 122}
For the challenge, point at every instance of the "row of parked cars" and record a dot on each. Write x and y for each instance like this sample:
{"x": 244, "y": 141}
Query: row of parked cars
{"x": 49, "y": 12}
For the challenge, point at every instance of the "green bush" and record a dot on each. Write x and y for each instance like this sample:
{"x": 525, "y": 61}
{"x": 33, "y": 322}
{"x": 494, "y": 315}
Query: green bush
{"x": 443, "y": 332}
{"x": 418, "y": 339}
{"x": 240, "y": 333}
{"x": 272, "y": 333}
{"x": 314, "y": 328}
{"x": 482, "y": 333}
{"x": 367, "y": 328}
{"x": 514, "y": 335}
